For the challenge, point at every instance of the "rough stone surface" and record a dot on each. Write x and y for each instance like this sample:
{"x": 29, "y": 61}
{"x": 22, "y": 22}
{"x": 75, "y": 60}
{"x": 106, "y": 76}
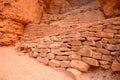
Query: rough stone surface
{"x": 85, "y": 51}
{"x": 10, "y": 32}
{"x": 54, "y": 63}
{"x": 116, "y": 67}
{"x": 110, "y": 8}
{"x": 79, "y": 65}
{"x": 21, "y": 10}
{"x": 91, "y": 61}
{"x": 97, "y": 55}
{"x": 75, "y": 72}
{"x": 107, "y": 58}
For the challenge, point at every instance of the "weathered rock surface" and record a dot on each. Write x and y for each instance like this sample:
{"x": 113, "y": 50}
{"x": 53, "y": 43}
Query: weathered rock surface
{"x": 79, "y": 65}
{"x": 24, "y": 11}
{"x": 116, "y": 67}
{"x": 62, "y": 6}
{"x": 110, "y": 8}
{"x": 10, "y": 31}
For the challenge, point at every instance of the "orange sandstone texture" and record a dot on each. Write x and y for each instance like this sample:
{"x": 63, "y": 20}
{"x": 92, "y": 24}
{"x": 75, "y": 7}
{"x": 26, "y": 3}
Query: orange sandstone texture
{"x": 111, "y": 8}
{"x": 10, "y": 31}
{"x": 13, "y": 15}
{"x": 24, "y": 11}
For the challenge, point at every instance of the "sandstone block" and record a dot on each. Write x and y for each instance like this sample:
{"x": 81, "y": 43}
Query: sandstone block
{"x": 54, "y": 63}
{"x": 74, "y": 57}
{"x": 65, "y": 64}
{"x": 114, "y": 41}
{"x": 42, "y": 54}
{"x": 99, "y": 44}
{"x": 104, "y": 35}
{"x": 110, "y": 31}
{"x": 88, "y": 34}
{"x": 75, "y": 72}
{"x": 43, "y": 60}
{"x": 97, "y": 55}
{"x": 79, "y": 65}
{"x": 61, "y": 58}
{"x": 75, "y": 43}
{"x": 114, "y": 27}
{"x": 35, "y": 54}
{"x": 116, "y": 67}
{"x": 55, "y": 51}
{"x": 112, "y": 47}
{"x": 107, "y": 58}
{"x": 64, "y": 49}
{"x": 55, "y": 45}
{"x": 43, "y": 50}
{"x": 90, "y": 43}
{"x": 93, "y": 38}
{"x": 55, "y": 38}
{"x": 106, "y": 66}
{"x": 65, "y": 53}
{"x": 104, "y": 41}
{"x": 85, "y": 51}
{"x": 103, "y": 51}
{"x": 90, "y": 61}
{"x": 75, "y": 48}
{"x": 118, "y": 59}
{"x": 96, "y": 28}
{"x": 117, "y": 36}
{"x": 105, "y": 62}
{"x": 50, "y": 56}
{"x": 42, "y": 46}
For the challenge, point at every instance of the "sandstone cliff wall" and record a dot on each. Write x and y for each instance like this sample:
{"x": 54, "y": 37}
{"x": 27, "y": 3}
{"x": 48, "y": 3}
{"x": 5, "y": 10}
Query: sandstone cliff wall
{"x": 111, "y": 8}
{"x": 14, "y": 14}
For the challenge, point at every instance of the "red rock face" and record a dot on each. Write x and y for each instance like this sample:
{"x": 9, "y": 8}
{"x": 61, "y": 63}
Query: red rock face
{"x": 24, "y": 11}
{"x": 13, "y": 15}
{"x": 62, "y": 6}
{"x": 111, "y": 8}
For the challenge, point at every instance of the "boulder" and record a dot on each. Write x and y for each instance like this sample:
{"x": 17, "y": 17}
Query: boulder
{"x": 79, "y": 65}
{"x": 24, "y": 11}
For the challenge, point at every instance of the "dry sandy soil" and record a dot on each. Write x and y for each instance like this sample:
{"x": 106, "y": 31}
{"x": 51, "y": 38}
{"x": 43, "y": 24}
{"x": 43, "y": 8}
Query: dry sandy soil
{"x": 14, "y": 67}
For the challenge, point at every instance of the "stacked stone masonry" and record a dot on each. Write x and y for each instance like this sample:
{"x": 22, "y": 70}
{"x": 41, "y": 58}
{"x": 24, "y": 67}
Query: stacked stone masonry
{"x": 95, "y": 45}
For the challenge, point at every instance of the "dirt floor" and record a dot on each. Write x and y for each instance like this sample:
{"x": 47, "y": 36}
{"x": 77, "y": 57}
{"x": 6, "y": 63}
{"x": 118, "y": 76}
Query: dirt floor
{"x": 14, "y": 67}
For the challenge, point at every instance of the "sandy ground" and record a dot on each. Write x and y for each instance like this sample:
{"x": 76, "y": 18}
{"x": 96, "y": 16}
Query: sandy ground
{"x": 14, "y": 67}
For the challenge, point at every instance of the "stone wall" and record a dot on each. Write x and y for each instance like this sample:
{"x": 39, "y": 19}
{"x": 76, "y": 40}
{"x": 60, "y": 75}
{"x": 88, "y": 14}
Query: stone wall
{"x": 93, "y": 45}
